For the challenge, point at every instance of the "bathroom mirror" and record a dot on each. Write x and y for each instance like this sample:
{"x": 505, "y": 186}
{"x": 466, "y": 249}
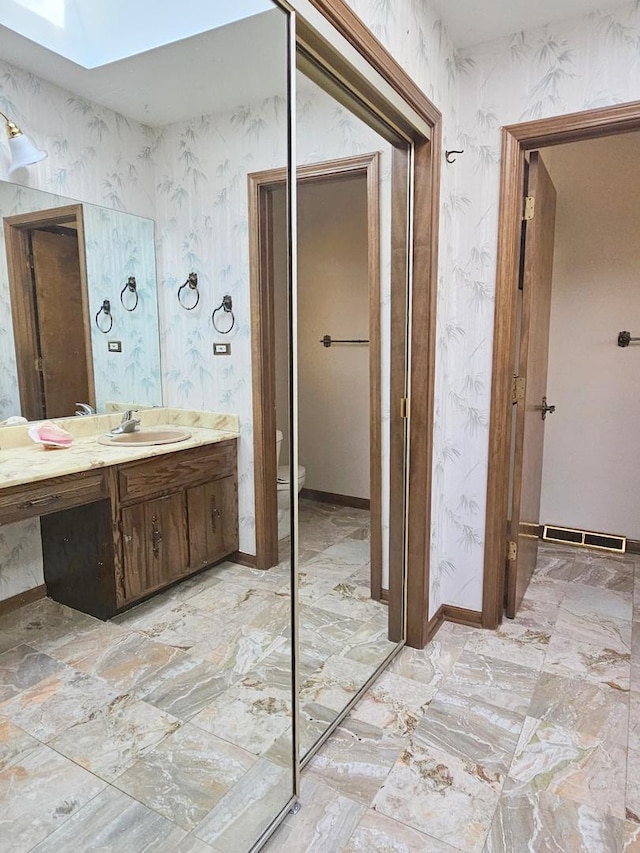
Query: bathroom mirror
{"x": 202, "y": 672}
{"x": 62, "y": 260}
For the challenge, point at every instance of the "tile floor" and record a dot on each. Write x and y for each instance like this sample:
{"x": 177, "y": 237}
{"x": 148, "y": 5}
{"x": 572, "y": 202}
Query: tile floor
{"x": 524, "y": 739}
{"x": 162, "y": 729}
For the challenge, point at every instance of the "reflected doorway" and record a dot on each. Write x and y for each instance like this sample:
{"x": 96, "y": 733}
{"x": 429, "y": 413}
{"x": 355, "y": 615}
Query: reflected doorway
{"x": 49, "y": 302}
{"x": 354, "y": 278}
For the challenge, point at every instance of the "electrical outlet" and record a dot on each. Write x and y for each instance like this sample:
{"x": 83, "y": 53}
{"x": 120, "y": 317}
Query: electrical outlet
{"x": 114, "y": 346}
{"x": 222, "y": 349}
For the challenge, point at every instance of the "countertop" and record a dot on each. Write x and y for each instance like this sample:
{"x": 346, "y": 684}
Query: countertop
{"x": 22, "y": 461}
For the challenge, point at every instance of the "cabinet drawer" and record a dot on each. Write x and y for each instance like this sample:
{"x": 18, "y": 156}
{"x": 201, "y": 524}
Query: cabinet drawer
{"x": 52, "y": 495}
{"x": 172, "y": 471}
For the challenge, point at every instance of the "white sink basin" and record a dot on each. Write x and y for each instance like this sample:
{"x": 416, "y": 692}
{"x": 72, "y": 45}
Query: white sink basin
{"x": 147, "y": 437}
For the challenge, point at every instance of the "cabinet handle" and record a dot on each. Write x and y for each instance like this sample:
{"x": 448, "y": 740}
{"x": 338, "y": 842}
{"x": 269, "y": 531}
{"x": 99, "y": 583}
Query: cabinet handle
{"x": 43, "y": 501}
{"x": 215, "y": 515}
{"x": 156, "y": 537}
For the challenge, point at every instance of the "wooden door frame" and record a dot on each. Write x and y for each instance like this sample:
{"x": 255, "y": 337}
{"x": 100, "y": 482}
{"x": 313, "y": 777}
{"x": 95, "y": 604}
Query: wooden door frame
{"x": 16, "y": 235}
{"x": 517, "y": 140}
{"x": 261, "y": 184}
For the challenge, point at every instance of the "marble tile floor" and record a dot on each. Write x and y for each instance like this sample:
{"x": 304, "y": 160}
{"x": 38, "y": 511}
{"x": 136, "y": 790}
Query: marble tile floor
{"x": 175, "y": 714}
{"x": 523, "y": 739}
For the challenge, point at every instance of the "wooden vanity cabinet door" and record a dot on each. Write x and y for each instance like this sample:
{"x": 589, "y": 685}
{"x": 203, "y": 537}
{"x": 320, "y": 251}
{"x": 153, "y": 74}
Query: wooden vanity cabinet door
{"x": 154, "y": 544}
{"x": 213, "y": 521}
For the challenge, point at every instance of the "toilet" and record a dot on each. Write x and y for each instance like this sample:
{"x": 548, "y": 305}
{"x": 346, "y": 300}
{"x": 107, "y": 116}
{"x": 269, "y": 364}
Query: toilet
{"x": 284, "y": 475}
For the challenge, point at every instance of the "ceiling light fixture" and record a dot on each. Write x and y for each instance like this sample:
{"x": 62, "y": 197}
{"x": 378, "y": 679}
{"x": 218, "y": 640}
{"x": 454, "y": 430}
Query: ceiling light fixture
{"x": 23, "y": 151}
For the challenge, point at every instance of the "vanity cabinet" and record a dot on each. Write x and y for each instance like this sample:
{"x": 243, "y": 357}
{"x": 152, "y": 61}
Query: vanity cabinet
{"x": 155, "y": 546}
{"x": 212, "y": 510}
{"x": 178, "y": 514}
{"x": 114, "y": 536}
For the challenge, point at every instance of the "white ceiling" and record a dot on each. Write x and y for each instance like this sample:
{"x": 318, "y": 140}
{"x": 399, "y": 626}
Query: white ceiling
{"x": 475, "y": 21}
{"x": 241, "y": 62}
{"x": 95, "y": 32}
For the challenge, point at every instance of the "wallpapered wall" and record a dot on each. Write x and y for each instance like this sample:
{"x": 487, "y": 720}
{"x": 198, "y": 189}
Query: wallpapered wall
{"x": 202, "y": 225}
{"x": 585, "y": 62}
{"x": 575, "y": 65}
{"x": 96, "y": 155}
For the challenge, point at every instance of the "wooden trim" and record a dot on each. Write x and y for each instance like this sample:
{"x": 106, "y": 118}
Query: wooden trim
{"x": 261, "y": 184}
{"x": 263, "y": 372}
{"x": 242, "y": 559}
{"x": 633, "y": 546}
{"x": 384, "y": 596}
{"x": 359, "y": 36}
{"x": 426, "y": 204}
{"x": 462, "y": 616}
{"x": 434, "y": 624}
{"x": 400, "y": 171}
{"x": 516, "y": 140}
{"x": 15, "y": 602}
{"x": 333, "y": 498}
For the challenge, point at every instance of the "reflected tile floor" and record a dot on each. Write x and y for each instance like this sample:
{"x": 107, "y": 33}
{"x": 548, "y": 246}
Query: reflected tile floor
{"x": 521, "y": 739}
{"x": 157, "y": 730}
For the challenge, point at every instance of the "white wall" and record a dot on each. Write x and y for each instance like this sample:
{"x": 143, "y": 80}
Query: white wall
{"x": 333, "y": 299}
{"x": 592, "y": 441}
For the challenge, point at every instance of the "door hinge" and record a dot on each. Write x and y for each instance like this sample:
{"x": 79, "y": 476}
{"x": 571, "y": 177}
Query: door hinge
{"x": 404, "y": 408}
{"x": 38, "y": 364}
{"x": 529, "y": 208}
{"x": 512, "y": 551}
{"x": 518, "y": 387}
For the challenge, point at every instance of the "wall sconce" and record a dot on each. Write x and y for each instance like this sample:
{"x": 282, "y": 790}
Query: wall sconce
{"x": 23, "y": 151}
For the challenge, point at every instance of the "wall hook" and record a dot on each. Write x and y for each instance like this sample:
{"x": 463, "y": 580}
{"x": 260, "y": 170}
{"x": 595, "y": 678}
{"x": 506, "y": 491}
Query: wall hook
{"x": 227, "y": 306}
{"x": 192, "y": 284}
{"x": 105, "y": 309}
{"x": 451, "y": 159}
{"x": 132, "y": 287}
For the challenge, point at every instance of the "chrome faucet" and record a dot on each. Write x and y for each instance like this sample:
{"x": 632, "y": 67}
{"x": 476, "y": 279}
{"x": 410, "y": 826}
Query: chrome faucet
{"x": 84, "y": 409}
{"x": 127, "y": 424}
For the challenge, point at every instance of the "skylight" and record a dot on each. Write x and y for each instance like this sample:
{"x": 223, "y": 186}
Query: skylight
{"x": 92, "y": 33}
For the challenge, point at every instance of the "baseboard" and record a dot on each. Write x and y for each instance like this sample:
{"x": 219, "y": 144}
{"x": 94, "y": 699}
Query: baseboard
{"x": 458, "y": 615}
{"x": 339, "y": 500}
{"x": 384, "y": 596}
{"x": 242, "y": 559}
{"x": 434, "y": 623}
{"x": 462, "y": 616}
{"x": 22, "y": 598}
{"x": 633, "y": 546}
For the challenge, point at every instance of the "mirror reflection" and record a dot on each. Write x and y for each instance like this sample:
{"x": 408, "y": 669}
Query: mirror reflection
{"x": 155, "y": 650}
{"x": 62, "y": 260}
{"x": 349, "y": 622}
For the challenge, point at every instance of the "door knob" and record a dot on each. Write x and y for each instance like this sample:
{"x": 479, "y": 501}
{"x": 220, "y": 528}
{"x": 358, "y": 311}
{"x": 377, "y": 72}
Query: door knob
{"x": 546, "y": 410}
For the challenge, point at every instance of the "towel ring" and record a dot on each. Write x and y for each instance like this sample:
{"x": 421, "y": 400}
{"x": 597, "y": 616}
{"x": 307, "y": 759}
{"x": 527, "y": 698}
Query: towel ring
{"x": 105, "y": 309}
{"x": 226, "y": 305}
{"x": 132, "y": 287}
{"x": 192, "y": 283}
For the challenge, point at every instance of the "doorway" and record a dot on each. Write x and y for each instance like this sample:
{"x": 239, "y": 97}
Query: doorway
{"x": 49, "y": 302}
{"x": 519, "y": 404}
{"x": 267, "y": 189}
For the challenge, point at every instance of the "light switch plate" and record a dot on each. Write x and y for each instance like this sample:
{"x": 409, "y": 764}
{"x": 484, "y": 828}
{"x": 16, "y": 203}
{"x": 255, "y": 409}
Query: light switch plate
{"x": 114, "y": 346}
{"x": 222, "y": 349}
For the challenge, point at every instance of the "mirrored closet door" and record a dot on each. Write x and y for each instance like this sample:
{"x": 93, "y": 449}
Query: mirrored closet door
{"x": 147, "y": 676}
{"x": 351, "y": 320}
